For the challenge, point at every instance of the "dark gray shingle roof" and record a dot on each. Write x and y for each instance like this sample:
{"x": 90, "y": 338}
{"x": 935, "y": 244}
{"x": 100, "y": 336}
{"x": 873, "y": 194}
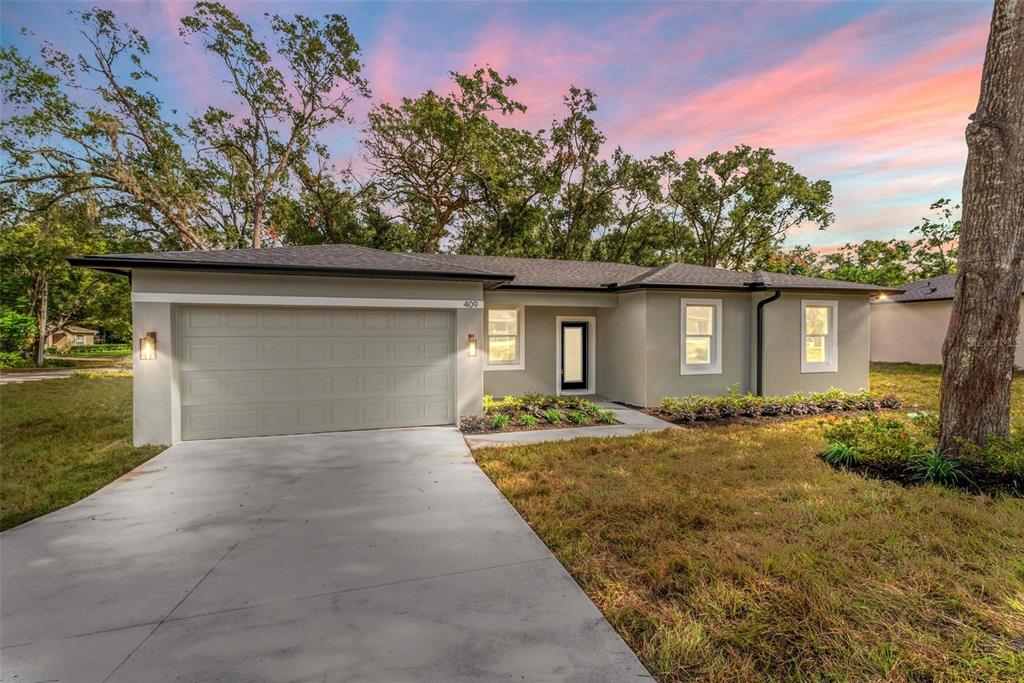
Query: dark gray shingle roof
{"x": 347, "y": 259}
{"x": 536, "y": 272}
{"x": 931, "y": 289}
{"x": 338, "y": 258}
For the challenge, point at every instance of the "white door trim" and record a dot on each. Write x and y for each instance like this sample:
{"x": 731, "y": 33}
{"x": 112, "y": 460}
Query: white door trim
{"x": 273, "y": 300}
{"x": 591, "y": 387}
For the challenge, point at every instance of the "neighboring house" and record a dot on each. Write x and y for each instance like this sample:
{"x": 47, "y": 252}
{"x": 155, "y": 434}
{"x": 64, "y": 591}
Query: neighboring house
{"x": 71, "y": 335}
{"x": 337, "y": 337}
{"x": 911, "y": 327}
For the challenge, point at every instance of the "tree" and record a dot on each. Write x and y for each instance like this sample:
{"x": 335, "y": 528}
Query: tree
{"x": 935, "y": 253}
{"x": 740, "y": 205}
{"x": 76, "y": 127}
{"x": 436, "y": 157}
{"x": 326, "y": 212}
{"x": 37, "y": 278}
{"x": 284, "y": 112}
{"x": 639, "y": 228}
{"x": 979, "y": 347}
{"x": 584, "y": 196}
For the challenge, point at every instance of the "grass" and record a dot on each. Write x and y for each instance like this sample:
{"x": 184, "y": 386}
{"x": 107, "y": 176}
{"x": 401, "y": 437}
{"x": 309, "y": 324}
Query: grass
{"x": 62, "y": 439}
{"x": 918, "y": 386}
{"x": 733, "y": 553}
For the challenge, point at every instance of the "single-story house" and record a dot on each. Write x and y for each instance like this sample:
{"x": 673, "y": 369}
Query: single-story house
{"x": 336, "y": 337}
{"x": 71, "y": 335}
{"x": 911, "y": 327}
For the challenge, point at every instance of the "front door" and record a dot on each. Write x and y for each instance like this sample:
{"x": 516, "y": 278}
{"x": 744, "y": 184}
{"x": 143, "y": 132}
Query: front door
{"x": 574, "y": 355}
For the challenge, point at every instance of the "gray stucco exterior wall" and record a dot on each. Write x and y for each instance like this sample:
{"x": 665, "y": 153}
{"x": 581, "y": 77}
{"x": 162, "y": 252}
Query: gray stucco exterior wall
{"x": 664, "y": 346}
{"x": 622, "y": 349}
{"x": 783, "y": 338}
{"x": 539, "y": 372}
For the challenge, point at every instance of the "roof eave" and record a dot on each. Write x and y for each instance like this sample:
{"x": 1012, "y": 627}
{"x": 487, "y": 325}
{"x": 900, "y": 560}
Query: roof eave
{"x": 125, "y": 266}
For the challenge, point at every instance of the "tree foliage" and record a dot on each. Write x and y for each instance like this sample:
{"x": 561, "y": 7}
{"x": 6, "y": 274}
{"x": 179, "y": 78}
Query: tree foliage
{"x": 247, "y": 155}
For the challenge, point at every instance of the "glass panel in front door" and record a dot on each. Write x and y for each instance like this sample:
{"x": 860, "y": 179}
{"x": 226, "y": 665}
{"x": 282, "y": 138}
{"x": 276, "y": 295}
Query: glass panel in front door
{"x": 573, "y": 338}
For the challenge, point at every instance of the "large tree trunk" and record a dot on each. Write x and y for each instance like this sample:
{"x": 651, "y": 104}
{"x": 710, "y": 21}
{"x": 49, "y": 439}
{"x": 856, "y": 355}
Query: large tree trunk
{"x": 41, "y": 323}
{"x": 979, "y": 347}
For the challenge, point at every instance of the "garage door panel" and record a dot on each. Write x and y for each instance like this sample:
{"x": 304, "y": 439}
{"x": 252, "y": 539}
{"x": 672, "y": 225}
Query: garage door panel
{"x": 227, "y": 355}
{"x": 214, "y": 387}
{"x": 246, "y": 372}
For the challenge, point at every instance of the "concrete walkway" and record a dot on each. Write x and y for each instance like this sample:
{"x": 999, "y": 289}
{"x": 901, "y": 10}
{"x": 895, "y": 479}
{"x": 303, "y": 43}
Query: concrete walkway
{"x": 633, "y": 422}
{"x": 361, "y": 556}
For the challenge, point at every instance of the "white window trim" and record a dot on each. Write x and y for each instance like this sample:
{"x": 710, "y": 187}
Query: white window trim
{"x": 832, "y": 346}
{"x": 521, "y": 319}
{"x": 715, "y": 368}
{"x": 591, "y": 387}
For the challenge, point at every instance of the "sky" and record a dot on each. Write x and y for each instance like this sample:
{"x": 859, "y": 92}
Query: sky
{"x": 873, "y": 96}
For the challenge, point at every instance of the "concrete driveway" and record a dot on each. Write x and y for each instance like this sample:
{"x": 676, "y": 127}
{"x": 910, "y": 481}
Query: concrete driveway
{"x": 377, "y": 556}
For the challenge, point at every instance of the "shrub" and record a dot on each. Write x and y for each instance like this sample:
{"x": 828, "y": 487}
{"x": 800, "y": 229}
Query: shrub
{"x": 733, "y": 404}
{"x": 606, "y": 416}
{"x": 553, "y": 416}
{"x": 578, "y": 417}
{"x": 878, "y": 441}
{"x": 933, "y": 466}
{"x": 927, "y": 422}
{"x": 17, "y": 330}
{"x": 499, "y": 421}
{"x": 1003, "y": 457}
{"x": 99, "y": 349}
{"x": 838, "y": 453}
{"x": 12, "y": 359}
{"x": 529, "y": 420}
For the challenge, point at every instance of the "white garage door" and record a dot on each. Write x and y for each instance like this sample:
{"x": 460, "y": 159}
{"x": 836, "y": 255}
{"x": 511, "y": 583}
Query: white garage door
{"x": 250, "y": 371}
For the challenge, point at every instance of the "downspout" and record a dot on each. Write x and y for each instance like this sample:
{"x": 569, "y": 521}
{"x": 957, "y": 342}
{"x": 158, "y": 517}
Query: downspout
{"x": 760, "y": 339}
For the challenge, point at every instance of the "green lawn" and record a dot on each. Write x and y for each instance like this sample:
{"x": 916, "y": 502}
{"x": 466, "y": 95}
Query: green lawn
{"x": 918, "y": 386}
{"x": 60, "y": 440}
{"x": 732, "y": 553}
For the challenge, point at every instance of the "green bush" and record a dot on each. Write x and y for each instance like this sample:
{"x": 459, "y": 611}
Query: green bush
{"x": 529, "y": 410}
{"x": 1002, "y": 457}
{"x": 99, "y": 349}
{"x": 838, "y": 453}
{"x": 695, "y": 408}
{"x": 933, "y": 466}
{"x": 12, "y": 359}
{"x": 554, "y": 416}
{"x": 17, "y": 330}
{"x": 907, "y": 450}
{"x": 578, "y": 417}
{"x": 883, "y": 442}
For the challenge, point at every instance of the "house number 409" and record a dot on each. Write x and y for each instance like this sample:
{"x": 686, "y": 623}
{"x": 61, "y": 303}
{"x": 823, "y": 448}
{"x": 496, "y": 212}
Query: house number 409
{"x": 470, "y": 304}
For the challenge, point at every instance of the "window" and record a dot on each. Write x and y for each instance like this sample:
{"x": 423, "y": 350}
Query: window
{"x": 819, "y": 347}
{"x": 505, "y": 338}
{"x": 79, "y": 340}
{"x": 701, "y": 327}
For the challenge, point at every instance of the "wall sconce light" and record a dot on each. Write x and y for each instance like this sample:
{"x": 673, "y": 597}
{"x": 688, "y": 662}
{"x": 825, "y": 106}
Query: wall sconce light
{"x": 472, "y": 345}
{"x": 147, "y": 346}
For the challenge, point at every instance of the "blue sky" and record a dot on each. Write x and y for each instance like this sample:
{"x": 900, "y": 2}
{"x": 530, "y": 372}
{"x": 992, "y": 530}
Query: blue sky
{"x": 873, "y": 96}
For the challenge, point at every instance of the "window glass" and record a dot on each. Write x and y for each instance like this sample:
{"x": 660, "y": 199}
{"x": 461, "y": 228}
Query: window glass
{"x": 816, "y": 318}
{"x": 815, "y": 349}
{"x": 502, "y": 336}
{"x": 699, "y": 319}
{"x": 503, "y": 322}
{"x": 698, "y": 350}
